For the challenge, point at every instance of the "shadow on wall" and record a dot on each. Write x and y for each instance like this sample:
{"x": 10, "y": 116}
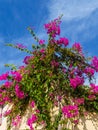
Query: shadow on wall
{"x": 90, "y": 122}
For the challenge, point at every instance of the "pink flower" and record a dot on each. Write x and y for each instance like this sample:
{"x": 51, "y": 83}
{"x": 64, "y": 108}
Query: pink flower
{"x": 42, "y": 122}
{"x": 37, "y": 111}
{"x": 7, "y": 84}
{"x": 95, "y": 63}
{"x": 21, "y": 67}
{"x": 70, "y": 111}
{"x": 89, "y": 71}
{"x": 7, "y": 113}
{"x": 17, "y": 75}
{"x": 31, "y": 120}
{"x": 53, "y": 28}
{"x": 94, "y": 88}
{"x": 41, "y": 42}
{"x": 63, "y": 40}
{"x": 59, "y": 98}
{"x": 92, "y": 97}
{"x": 4, "y": 76}
{"x": 77, "y": 47}
{"x": 2, "y": 103}
{"x": 53, "y": 41}
{"x": 18, "y": 45}
{"x": 29, "y": 123}
{"x": 42, "y": 51}
{"x": 76, "y": 122}
{"x": 6, "y": 99}
{"x": 26, "y": 59}
{"x": 0, "y": 115}
{"x": 79, "y": 101}
{"x": 32, "y": 104}
{"x": 16, "y": 121}
{"x": 20, "y": 94}
{"x": 74, "y": 82}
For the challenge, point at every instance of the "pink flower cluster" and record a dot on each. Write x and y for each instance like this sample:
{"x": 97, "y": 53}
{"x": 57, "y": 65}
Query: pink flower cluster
{"x": 8, "y": 84}
{"x": 91, "y": 97}
{"x": 95, "y": 63}
{"x": 41, "y": 42}
{"x": 53, "y": 28}
{"x": 70, "y": 111}
{"x": 4, "y": 76}
{"x": 3, "y": 97}
{"x": 16, "y": 120}
{"x": 75, "y": 82}
{"x": 63, "y": 40}
{"x": 54, "y": 63}
{"x": 94, "y": 88}
{"x": 32, "y": 104}
{"x": 20, "y": 94}
{"x": 42, "y": 50}
{"x": 89, "y": 71}
{"x": 18, "y": 45}
{"x": 17, "y": 76}
{"x": 31, "y": 120}
{"x": 26, "y": 59}
{"x": 4, "y": 100}
{"x": 7, "y": 113}
{"x": 78, "y": 101}
{"x": 77, "y": 47}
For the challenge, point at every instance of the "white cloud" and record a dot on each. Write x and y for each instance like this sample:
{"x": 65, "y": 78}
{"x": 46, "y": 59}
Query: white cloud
{"x": 79, "y": 18}
{"x": 72, "y": 9}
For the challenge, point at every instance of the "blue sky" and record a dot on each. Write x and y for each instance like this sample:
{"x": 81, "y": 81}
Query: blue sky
{"x": 79, "y": 24}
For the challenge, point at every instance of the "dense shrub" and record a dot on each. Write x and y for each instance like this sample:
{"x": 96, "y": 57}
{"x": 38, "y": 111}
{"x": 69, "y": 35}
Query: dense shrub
{"x": 53, "y": 76}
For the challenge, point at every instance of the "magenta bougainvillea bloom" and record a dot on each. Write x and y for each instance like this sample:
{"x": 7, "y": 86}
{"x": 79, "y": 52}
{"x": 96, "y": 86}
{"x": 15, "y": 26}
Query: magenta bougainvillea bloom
{"x": 75, "y": 82}
{"x": 32, "y": 104}
{"x": 63, "y": 41}
{"x": 70, "y": 111}
{"x": 16, "y": 120}
{"x": 8, "y": 84}
{"x": 26, "y": 59}
{"x": 4, "y": 76}
{"x": 20, "y": 94}
{"x": 91, "y": 97}
{"x": 95, "y": 63}
{"x": 42, "y": 51}
{"x": 89, "y": 71}
{"x": 19, "y": 45}
{"x": 31, "y": 120}
{"x": 53, "y": 28}
{"x": 6, "y": 113}
{"x": 94, "y": 88}
{"x": 77, "y": 47}
{"x": 78, "y": 101}
{"x": 41, "y": 42}
{"x": 16, "y": 75}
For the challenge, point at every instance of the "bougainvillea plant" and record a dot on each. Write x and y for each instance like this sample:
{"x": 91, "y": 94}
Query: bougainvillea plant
{"x": 53, "y": 76}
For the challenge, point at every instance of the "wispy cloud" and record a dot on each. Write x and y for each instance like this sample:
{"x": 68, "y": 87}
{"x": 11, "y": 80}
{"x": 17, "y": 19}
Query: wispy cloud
{"x": 72, "y": 9}
{"x": 79, "y": 20}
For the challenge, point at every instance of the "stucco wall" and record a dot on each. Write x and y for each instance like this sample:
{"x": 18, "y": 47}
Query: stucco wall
{"x": 90, "y": 122}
